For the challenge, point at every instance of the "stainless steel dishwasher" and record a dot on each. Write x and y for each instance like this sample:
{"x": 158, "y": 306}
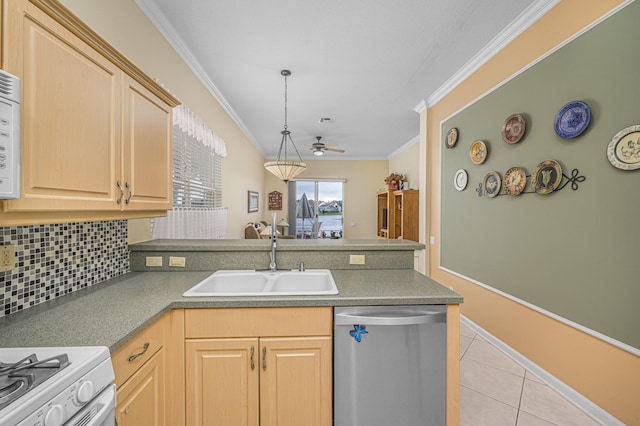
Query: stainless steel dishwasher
{"x": 389, "y": 365}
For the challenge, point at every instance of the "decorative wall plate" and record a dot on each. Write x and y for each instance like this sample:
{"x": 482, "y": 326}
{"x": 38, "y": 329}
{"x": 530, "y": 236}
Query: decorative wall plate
{"x": 514, "y": 181}
{"x": 573, "y": 119}
{"x": 460, "y": 179}
{"x": 478, "y": 152}
{"x": 452, "y": 138}
{"x": 491, "y": 184}
{"x": 513, "y": 129}
{"x": 623, "y": 151}
{"x": 546, "y": 176}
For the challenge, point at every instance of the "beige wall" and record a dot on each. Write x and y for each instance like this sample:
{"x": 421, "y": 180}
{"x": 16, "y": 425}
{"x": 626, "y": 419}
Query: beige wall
{"x": 363, "y": 179}
{"x": 407, "y": 162}
{"x": 125, "y": 26}
{"x": 605, "y": 374}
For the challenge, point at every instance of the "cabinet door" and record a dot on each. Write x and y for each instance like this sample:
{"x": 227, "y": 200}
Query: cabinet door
{"x": 71, "y": 99}
{"x": 222, "y": 382}
{"x": 147, "y": 149}
{"x": 141, "y": 398}
{"x": 295, "y": 381}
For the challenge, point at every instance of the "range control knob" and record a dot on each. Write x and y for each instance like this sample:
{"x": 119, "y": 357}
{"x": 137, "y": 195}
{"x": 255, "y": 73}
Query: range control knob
{"x": 85, "y": 392}
{"x": 55, "y": 416}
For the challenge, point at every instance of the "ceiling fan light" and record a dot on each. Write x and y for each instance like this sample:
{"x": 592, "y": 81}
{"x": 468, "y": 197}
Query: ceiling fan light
{"x": 318, "y": 152}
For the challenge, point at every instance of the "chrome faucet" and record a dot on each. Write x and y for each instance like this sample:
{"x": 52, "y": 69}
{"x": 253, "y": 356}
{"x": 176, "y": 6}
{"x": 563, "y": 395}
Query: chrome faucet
{"x": 274, "y": 243}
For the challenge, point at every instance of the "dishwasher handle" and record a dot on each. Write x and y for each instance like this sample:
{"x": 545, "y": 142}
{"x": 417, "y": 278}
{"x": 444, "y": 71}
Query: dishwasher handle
{"x": 391, "y": 319}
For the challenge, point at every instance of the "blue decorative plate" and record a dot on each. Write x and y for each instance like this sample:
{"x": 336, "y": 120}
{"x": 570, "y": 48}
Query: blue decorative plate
{"x": 573, "y": 119}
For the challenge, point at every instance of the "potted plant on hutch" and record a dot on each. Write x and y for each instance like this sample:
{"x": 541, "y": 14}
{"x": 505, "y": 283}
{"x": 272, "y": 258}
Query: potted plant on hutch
{"x": 394, "y": 180}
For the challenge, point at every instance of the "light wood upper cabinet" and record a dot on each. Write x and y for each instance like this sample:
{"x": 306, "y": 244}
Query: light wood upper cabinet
{"x": 147, "y": 150}
{"x": 70, "y": 121}
{"x": 95, "y": 131}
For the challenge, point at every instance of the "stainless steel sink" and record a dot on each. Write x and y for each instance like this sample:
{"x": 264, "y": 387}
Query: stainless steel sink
{"x": 265, "y": 283}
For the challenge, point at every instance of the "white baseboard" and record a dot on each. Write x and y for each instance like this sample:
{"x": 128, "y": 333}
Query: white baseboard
{"x": 584, "y": 404}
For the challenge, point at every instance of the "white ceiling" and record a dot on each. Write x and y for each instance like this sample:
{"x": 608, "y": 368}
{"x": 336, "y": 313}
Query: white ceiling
{"x": 366, "y": 63}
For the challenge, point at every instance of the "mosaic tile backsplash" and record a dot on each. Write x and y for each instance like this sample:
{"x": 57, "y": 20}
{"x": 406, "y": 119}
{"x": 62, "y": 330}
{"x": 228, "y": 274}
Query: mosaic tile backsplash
{"x": 54, "y": 260}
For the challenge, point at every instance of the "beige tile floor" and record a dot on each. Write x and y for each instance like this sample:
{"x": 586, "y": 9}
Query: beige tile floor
{"x": 495, "y": 390}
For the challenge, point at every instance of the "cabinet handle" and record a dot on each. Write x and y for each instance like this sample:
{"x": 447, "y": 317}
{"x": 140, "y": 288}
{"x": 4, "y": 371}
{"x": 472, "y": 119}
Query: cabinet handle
{"x": 144, "y": 349}
{"x": 264, "y": 358}
{"x": 253, "y": 365}
{"x": 126, "y": 185}
{"x": 127, "y": 409}
{"x": 119, "y": 200}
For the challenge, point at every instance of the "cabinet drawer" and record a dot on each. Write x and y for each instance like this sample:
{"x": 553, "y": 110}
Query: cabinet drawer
{"x": 258, "y": 322}
{"x": 136, "y": 352}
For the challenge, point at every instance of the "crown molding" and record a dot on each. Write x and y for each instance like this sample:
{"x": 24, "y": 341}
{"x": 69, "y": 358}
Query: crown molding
{"x": 158, "y": 19}
{"x": 422, "y": 105}
{"x": 412, "y": 141}
{"x": 523, "y": 21}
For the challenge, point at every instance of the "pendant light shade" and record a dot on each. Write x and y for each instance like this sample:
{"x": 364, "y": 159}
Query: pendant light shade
{"x": 284, "y": 168}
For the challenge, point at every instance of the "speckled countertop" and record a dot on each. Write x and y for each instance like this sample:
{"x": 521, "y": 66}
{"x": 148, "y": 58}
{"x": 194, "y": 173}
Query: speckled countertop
{"x": 320, "y": 244}
{"x": 113, "y": 312}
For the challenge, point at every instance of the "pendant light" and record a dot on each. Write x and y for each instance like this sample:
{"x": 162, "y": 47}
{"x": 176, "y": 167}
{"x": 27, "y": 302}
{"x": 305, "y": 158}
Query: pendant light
{"x": 284, "y": 168}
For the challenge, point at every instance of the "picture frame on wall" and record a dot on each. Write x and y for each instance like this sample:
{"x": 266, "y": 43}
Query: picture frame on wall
{"x": 252, "y": 201}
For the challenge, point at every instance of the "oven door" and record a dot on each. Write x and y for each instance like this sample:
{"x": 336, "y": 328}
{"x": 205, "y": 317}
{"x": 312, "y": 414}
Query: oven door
{"x": 100, "y": 411}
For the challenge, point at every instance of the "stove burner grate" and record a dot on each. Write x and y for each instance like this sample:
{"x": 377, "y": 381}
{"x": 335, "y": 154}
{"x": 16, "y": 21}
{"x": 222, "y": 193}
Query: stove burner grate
{"x": 18, "y": 378}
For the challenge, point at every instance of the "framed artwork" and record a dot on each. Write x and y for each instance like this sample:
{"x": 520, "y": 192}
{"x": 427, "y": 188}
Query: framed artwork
{"x": 252, "y": 201}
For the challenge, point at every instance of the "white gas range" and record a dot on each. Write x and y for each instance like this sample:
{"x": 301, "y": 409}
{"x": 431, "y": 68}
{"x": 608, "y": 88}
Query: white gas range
{"x": 54, "y": 386}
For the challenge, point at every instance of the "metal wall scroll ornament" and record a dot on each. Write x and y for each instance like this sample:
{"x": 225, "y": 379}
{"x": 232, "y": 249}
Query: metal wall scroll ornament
{"x": 451, "y": 138}
{"x": 546, "y": 178}
{"x": 513, "y": 129}
{"x": 623, "y": 151}
{"x": 491, "y": 184}
{"x": 478, "y": 152}
{"x": 460, "y": 180}
{"x": 572, "y": 119}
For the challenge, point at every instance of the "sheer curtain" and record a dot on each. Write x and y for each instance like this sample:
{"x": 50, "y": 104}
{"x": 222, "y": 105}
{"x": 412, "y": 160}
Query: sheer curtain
{"x": 197, "y": 197}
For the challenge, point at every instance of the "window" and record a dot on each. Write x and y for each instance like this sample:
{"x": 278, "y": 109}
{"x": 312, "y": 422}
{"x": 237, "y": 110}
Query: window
{"x": 317, "y": 206}
{"x": 197, "y": 182}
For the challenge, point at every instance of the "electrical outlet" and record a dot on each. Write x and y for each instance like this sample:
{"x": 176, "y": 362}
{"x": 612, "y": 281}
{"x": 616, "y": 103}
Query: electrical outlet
{"x": 7, "y": 257}
{"x": 154, "y": 261}
{"x": 356, "y": 259}
{"x": 177, "y": 262}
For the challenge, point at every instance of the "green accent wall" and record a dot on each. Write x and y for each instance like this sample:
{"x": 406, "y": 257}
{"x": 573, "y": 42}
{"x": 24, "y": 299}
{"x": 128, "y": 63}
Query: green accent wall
{"x": 573, "y": 253}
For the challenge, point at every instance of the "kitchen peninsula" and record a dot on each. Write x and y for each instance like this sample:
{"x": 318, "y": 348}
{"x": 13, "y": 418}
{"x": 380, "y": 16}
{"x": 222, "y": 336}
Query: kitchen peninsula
{"x": 117, "y": 312}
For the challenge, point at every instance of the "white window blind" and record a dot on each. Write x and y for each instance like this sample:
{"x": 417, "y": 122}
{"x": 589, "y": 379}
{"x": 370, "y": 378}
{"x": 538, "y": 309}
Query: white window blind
{"x": 197, "y": 183}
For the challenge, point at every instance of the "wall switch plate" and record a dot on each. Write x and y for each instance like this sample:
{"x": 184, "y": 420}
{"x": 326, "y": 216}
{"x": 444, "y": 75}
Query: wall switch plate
{"x": 177, "y": 262}
{"x": 7, "y": 257}
{"x": 432, "y": 240}
{"x": 154, "y": 261}
{"x": 356, "y": 259}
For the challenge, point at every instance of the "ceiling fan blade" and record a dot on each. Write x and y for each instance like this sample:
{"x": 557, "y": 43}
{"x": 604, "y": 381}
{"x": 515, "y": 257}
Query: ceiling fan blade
{"x": 334, "y": 150}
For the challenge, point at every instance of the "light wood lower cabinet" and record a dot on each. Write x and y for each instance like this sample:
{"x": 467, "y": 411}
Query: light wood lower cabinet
{"x": 141, "y": 400}
{"x": 252, "y": 380}
{"x": 295, "y": 381}
{"x": 140, "y": 370}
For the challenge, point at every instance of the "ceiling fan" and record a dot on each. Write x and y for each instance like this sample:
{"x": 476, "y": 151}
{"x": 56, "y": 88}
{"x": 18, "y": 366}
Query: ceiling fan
{"x": 318, "y": 148}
